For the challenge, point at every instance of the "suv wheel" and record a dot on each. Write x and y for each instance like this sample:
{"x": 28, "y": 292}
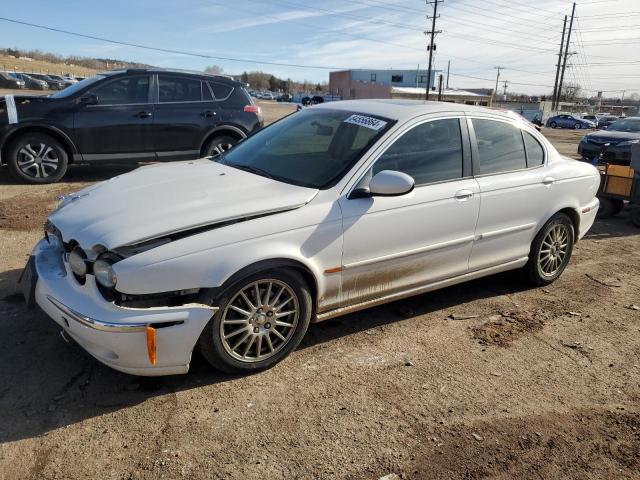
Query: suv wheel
{"x": 550, "y": 251}
{"x": 260, "y": 320}
{"x": 219, "y": 144}
{"x": 37, "y": 158}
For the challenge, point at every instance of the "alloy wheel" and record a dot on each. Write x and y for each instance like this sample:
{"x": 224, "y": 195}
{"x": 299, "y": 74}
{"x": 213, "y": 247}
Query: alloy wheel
{"x": 38, "y": 160}
{"x": 221, "y": 148}
{"x": 553, "y": 251}
{"x": 259, "y": 320}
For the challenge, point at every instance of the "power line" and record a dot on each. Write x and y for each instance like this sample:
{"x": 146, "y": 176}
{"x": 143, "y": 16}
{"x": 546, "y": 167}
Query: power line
{"x": 164, "y": 50}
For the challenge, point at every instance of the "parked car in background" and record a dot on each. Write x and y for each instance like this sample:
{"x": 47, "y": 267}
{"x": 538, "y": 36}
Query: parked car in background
{"x": 124, "y": 115}
{"x": 618, "y": 139}
{"x": 607, "y": 121}
{"x": 30, "y": 82}
{"x": 569, "y": 121}
{"x": 9, "y": 81}
{"x": 51, "y": 82}
{"x": 70, "y": 79}
{"x": 337, "y": 208}
{"x": 66, "y": 82}
{"x": 285, "y": 97}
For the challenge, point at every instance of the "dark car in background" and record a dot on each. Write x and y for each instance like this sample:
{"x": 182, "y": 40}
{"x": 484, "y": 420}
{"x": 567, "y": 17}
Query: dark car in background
{"x": 30, "y": 82}
{"x": 615, "y": 142}
{"x": 124, "y": 115}
{"x": 569, "y": 121}
{"x": 607, "y": 121}
{"x": 8, "y": 81}
{"x": 52, "y": 83}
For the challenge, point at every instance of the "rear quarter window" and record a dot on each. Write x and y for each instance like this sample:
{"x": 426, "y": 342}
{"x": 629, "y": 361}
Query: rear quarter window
{"x": 220, "y": 91}
{"x": 535, "y": 152}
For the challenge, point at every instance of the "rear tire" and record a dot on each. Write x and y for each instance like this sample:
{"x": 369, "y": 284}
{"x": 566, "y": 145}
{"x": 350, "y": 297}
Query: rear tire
{"x": 550, "y": 251}
{"x": 577, "y": 126}
{"x": 261, "y": 320}
{"x": 609, "y": 207}
{"x": 219, "y": 144}
{"x": 37, "y": 158}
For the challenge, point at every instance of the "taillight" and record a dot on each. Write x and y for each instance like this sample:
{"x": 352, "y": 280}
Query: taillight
{"x": 253, "y": 109}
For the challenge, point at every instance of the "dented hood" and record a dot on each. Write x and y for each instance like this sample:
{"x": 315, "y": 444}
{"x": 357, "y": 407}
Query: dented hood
{"x": 167, "y": 198}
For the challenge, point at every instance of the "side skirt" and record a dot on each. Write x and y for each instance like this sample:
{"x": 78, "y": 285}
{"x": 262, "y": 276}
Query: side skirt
{"x": 521, "y": 262}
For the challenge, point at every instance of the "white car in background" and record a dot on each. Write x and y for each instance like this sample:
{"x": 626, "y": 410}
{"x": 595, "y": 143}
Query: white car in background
{"x": 330, "y": 210}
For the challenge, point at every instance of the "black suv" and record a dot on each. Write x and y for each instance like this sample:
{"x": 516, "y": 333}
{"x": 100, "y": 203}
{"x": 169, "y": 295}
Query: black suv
{"x": 124, "y": 115}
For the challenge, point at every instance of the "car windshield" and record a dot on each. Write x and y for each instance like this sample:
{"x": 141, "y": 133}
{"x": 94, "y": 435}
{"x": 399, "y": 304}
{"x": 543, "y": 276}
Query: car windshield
{"x": 70, "y": 90}
{"x": 629, "y": 125}
{"x": 311, "y": 148}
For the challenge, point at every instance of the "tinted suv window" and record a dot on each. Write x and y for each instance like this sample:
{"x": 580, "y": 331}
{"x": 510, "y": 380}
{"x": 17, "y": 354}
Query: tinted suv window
{"x": 220, "y": 91}
{"x": 535, "y": 153}
{"x": 429, "y": 152}
{"x": 500, "y": 146}
{"x": 179, "y": 89}
{"x": 123, "y": 91}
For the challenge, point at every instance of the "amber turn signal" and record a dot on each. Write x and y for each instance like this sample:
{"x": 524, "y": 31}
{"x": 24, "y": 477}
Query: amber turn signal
{"x": 151, "y": 344}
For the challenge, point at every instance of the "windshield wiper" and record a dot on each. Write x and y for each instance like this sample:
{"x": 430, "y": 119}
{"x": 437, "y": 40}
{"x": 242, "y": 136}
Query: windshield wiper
{"x": 254, "y": 170}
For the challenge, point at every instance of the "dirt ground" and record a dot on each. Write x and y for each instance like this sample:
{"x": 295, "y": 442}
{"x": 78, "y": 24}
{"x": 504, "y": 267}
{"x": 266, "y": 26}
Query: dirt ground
{"x": 542, "y": 384}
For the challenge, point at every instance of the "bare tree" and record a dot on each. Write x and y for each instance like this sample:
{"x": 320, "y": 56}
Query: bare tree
{"x": 213, "y": 70}
{"x": 571, "y": 92}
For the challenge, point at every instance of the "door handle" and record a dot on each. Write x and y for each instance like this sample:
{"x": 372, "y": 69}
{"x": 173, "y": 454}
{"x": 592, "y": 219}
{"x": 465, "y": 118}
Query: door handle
{"x": 548, "y": 180}
{"x": 463, "y": 195}
{"x": 143, "y": 114}
{"x": 208, "y": 114}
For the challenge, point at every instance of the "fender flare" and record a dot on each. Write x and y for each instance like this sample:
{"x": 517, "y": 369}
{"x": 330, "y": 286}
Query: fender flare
{"x": 57, "y": 132}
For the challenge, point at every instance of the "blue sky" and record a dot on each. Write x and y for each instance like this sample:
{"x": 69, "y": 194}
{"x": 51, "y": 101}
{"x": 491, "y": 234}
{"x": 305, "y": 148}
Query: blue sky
{"x": 476, "y": 36}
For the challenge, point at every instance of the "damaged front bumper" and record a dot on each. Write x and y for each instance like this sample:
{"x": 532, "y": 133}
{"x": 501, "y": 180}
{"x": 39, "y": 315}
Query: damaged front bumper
{"x": 116, "y": 336}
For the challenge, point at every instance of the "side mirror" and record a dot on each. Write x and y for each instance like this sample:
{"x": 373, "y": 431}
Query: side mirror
{"x": 386, "y": 183}
{"x": 89, "y": 99}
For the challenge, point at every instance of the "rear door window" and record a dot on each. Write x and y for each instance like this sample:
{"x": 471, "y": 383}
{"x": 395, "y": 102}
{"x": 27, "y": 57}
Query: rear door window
{"x": 429, "y": 152}
{"x": 500, "y": 146}
{"x": 179, "y": 89}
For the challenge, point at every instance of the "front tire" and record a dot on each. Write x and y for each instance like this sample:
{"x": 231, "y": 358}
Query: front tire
{"x": 261, "y": 320}
{"x": 553, "y": 124}
{"x": 550, "y": 251}
{"x": 37, "y": 158}
{"x": 577, "y": 126}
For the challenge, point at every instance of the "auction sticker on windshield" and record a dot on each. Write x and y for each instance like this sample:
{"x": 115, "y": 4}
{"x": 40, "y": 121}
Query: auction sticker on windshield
{"x": 368, "y": 122}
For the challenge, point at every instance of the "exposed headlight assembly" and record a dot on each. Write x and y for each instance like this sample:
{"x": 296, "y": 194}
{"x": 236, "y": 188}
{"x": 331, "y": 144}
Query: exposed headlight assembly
{"x": 77, "y": 262}
{"x": 103, "y": 270}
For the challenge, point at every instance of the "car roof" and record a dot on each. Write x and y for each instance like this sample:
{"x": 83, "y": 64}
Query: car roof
{"x": 398, "y": 109}
{"x": 169, "y": 70}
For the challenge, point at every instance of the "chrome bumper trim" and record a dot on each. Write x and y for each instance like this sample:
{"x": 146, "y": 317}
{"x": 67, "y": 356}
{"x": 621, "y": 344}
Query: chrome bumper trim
{"x": 106, "y": 326}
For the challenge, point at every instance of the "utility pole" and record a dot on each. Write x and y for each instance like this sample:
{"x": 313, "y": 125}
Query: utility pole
{"x": 448, "y": 70}
{"x": 440, "y": 88}
{"x": 554, "y": 100}
{"x": 566, "y": 54}
{"x": 505, "y": 87}
{"x": 495, "y": 90}
{"x": 431, "y": 45}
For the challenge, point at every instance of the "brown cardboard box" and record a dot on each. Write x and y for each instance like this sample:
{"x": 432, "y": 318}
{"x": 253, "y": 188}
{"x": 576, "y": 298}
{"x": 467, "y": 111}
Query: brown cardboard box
{"x": 619, "y": 180}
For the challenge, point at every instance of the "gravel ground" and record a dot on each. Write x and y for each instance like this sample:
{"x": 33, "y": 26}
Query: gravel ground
{"x": 542, "y": 384}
